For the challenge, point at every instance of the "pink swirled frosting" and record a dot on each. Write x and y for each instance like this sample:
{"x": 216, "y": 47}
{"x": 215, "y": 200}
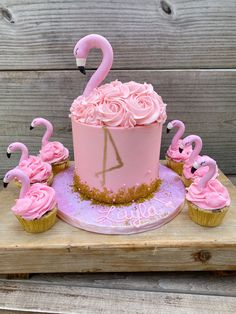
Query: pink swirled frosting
{"x": 213, "y": 196}
{"x": 36, "y": 169}
{"x": 38, "y": 201}
{"x": 175, "y": 155}
{"x": 200, "y": 172}
{"x": 120, "y": 105}
{"x": 54, "y": 152}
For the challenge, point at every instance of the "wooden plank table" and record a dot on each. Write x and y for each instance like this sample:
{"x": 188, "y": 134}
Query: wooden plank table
{"x": 186, "y": 49}
{"x": 179, "y": 245}
{"x": 121, "y": 293}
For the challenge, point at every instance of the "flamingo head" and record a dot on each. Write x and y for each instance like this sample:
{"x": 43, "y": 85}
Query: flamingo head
{"x": 81, "y": 51}
{"x": 202, "y": 162}
{"x": 39, "y": 121}
{"x": 187, "y": 141}
{"x": 195, "y": 167}
{"x": 169, "y": 127}
{"x": 13, "y": 147}
{"x": 182, "y": 145}
{"x": 9, "y": 151}
{"x": 11, "y": 175}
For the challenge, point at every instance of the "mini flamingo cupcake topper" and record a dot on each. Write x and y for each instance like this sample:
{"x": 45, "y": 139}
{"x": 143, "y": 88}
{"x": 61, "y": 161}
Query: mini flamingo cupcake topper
{"x": 33, "y": 166}
{"x": 17, "y": 146}
{"x": 197, "y": 149}
{"x": 81, "y": 51}
{"x": 180, "y": 131}
{"x": 21, "y": 176}
{"x": 205, "y": 161}
{"x": 188, "y": 175}
{"x": 54, "y": 152}
{"x": 49, "y": 129}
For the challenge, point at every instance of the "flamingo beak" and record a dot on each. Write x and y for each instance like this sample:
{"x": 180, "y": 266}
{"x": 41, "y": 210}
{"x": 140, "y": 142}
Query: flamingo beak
{"x": 193, "y": 169}
{"x": 31, "y": 127}
{"x": 8, "y": 155}
{"x": 167, "y": 130}
{"x": 5, "y": 184}
{"x": 181, "y": 149}
{"x": 81, "y": 68}
{"x": 80, "y": 62}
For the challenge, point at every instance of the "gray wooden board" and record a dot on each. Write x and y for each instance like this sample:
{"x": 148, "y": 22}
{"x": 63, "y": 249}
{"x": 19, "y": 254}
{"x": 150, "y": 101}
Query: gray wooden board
{"x": 203, "y": 99}
{"x": 40, "y": 34}
{"x": 232, "y": 179}
{"x": 54, "y": 298}
{"x": 209, "y": 283}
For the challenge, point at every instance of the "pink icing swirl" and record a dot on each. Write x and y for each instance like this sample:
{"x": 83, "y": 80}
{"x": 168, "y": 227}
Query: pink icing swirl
{"x": 54, "y": 152}
{"x": 175, "y": 155}
{"x": 200, "y": 172}
{"x": 36, "y": 169}
{"x": 38, "y": 201}
{"x": 120, "y": 105}
{"x": 214, "y": 196}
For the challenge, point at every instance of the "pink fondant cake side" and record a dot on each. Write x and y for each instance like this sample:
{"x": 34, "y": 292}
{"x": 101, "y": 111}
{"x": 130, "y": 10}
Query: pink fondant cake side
{"x": 113, "y": 159}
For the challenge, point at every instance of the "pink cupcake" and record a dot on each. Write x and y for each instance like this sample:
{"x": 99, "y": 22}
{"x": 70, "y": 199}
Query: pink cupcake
{"x": 208, "y": 200}
{"x": 175, "y": 159}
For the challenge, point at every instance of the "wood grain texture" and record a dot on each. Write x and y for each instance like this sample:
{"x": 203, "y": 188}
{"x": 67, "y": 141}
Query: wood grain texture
{"x": 53, "y": 298}
{"x": 207, "y": 283}
{"x": 67, "y": 249}
{"x": 203, "y": 99}
{"x": 232, "y": 179}
{"x": 196, "y": 34}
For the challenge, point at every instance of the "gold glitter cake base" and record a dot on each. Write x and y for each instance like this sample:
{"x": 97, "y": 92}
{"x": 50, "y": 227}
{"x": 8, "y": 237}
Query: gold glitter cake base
{"x": 123, "y": 196}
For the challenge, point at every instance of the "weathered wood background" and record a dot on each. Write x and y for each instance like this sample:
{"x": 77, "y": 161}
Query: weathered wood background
{"x": 185, "y": 48}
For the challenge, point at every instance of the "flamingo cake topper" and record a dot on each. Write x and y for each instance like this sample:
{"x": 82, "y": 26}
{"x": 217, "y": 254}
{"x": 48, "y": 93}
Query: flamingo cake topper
{"x": 81, "y": 52}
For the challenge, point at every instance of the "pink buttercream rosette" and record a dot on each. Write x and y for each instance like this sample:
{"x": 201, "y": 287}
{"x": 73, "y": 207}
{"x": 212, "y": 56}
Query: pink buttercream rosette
{"x": 54, "y": 152}
{"x": 120, "y": 105}
{"x": 38, "y": 201}
{"x": 36, "y": 169}
{"x": 213, "y": 196}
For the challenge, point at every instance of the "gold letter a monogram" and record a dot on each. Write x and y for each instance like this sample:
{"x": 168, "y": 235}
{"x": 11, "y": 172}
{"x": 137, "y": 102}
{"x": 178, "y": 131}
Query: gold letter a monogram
{"x": 120, "y": 164}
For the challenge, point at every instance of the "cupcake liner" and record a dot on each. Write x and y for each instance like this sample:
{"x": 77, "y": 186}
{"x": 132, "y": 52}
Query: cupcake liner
{"x": 175, "y": 166}
{"x": 50, "y": 179}
{"x": 206, "y": 218}
{"x": 39, "y": 225}
{"x": 60, "y": 166}
{"x": 186, "y": 182}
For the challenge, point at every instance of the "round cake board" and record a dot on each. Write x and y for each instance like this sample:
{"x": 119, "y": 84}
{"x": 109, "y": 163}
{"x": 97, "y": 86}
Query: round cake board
{"x": 164, "y": 206}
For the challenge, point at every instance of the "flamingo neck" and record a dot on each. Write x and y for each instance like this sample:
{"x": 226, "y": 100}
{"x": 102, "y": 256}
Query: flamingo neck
{"x": 208, "y": 176}
{"x": 180, "y": 131}
{"x": 25, "y": 185}
{"x": 24, "y": 151}
{"x": 48, "y": 132}
{"x": 104, "y": 67}
{"x": 196, "y": 151}
{"x": 23, "y": 178}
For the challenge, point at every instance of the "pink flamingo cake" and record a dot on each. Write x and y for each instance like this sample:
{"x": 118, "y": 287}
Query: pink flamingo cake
{"x": 52, "y": 152}
{"x": 36, "y": 206}
{"x": 175, "y": 159}
{"x": 208, "y": 199}
{"x": 117, "y": 130}
{"x": 187, "y": 175}
{"x": 37, "y": 170}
